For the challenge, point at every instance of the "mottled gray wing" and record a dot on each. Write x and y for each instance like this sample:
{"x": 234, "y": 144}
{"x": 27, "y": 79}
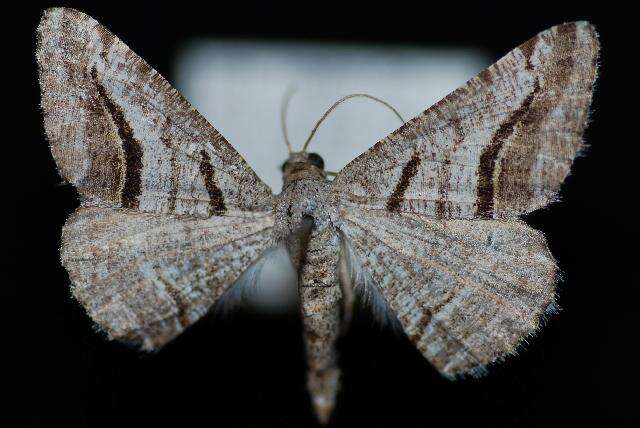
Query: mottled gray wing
{"x": 124, "y": 137}
{"x": 145, "y": 277}
{"x": 429, "y": 214}
{"x": 170, "y": 215}
{"x": 499, "y": 146}
{"x": 466, "y": 292}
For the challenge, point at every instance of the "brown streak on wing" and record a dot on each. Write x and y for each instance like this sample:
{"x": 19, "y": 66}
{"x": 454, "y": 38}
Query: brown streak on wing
{"x": 527, "y": 49}
{"x": 486, "y": 167}
{"x": 420, "y": 326}
{"x": 486, "y": 76}
{"x": 165, "y": 137}
{"x": 216, "y": 200}
{"x": 182, "y": 304}
{"x": 444, "y": 177}
{"x": 131, "y": 147}
{"x": 408, "y": 172}
{"x": 567, "y": 28}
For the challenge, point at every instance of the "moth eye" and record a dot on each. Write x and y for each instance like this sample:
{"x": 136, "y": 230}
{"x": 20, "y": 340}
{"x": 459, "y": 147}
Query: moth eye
{"x": 284, "y": 165}
{"x": 316, "y": 160}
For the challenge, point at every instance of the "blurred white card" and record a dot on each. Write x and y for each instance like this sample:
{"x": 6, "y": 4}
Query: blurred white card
{"x": 239, "y": 87}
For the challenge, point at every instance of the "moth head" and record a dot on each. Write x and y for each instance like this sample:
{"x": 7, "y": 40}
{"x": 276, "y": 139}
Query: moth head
{"x": 303, "y": 163}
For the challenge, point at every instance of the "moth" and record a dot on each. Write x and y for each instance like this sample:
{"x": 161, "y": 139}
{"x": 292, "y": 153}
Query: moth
{"x": 426, "y": 223}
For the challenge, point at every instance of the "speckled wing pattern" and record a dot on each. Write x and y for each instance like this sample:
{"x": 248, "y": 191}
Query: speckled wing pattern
{"x": 431, "y": 212}
{"x": 170, "y": 213}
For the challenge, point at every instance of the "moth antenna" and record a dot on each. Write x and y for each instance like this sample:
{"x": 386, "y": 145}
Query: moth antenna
{"x": 283, "y": 116}
{"x": 340, "y": 101}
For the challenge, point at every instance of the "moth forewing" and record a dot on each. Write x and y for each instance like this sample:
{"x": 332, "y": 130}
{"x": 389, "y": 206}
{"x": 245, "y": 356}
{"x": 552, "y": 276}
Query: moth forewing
{"x": 124, "y": 137}
{"x": 499, "y": 146}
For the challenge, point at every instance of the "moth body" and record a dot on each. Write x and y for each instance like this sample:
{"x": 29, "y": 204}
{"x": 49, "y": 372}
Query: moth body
{"x": 304, "y": 218}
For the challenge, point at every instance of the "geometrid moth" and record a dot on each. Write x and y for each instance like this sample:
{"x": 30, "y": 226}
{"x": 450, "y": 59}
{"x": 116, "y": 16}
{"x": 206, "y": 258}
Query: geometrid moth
{"x": 425, "y": 222}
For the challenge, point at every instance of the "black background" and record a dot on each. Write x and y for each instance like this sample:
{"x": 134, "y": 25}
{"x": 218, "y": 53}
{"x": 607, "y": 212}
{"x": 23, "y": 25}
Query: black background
{"x": 249, "y": 371}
